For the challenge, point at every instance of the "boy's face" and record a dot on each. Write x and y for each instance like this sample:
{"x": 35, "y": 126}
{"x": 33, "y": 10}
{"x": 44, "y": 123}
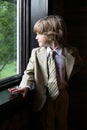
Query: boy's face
{"x": 42, "y": 39}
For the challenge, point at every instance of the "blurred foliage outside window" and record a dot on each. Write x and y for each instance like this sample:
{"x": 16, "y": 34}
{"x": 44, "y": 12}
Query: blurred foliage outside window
{"x": 8, "y": 38}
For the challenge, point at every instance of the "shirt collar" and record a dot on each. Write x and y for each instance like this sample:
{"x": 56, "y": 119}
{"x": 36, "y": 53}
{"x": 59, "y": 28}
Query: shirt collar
{"x": 57, "y": 50}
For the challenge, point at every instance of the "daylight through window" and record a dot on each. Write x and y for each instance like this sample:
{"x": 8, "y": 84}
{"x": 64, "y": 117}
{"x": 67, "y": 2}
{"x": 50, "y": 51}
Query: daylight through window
{"x": 9, "y": 38}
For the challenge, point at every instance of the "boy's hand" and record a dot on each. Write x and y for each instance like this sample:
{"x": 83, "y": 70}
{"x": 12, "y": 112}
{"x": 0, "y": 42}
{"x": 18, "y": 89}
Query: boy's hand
{"x": 23, "y": 91}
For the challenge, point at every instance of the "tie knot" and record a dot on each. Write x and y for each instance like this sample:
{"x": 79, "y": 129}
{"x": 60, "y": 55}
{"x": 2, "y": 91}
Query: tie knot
{"x": 52, "y": 53}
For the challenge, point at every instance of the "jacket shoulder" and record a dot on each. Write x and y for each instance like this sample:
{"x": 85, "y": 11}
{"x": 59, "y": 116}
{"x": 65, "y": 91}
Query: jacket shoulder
{"x": 38, "y": 49}
{"x": 72, "y": 50}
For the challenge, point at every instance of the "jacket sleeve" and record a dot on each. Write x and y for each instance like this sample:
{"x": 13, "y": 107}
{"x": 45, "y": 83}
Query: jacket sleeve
{"x": 79, "y": 63}
{"x": 28, "y": 76}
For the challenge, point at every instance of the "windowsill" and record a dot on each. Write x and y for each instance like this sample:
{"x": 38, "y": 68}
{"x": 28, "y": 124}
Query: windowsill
{"x": 14, "y": 109}
{"x": 13, "y": 102}
{"x": 5, "y": 97}
{"x": 10, "y": 105}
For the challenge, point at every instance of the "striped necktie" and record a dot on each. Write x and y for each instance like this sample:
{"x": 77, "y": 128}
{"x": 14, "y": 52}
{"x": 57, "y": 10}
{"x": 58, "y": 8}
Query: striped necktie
{"x": 52, "y": 82}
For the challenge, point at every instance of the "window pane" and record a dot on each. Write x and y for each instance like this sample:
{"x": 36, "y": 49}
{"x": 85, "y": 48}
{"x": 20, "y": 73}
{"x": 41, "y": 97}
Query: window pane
{"x": 8, "y": 38}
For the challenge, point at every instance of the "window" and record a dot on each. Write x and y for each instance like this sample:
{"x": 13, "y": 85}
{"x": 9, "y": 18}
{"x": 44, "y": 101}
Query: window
{"x": 13, "y": 43}
{"x": 8, "y": 39}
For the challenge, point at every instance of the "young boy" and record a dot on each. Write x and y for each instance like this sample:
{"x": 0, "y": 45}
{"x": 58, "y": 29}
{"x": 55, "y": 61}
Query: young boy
{"x": 50, "y": 86}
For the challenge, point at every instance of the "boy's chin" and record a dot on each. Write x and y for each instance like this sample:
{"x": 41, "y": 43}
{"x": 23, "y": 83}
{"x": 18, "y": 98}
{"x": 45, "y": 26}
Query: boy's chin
{"x": 42, "y": 44}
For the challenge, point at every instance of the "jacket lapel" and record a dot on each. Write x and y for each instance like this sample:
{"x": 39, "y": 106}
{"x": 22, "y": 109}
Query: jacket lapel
{"x": 42, "y": 59}
{"x": 69, "y": 61}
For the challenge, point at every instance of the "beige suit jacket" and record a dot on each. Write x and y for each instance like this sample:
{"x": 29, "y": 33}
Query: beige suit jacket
{"x": 37, "y": 73}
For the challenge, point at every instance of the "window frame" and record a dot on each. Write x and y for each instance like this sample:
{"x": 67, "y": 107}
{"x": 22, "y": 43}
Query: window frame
{"x": 24, "y": 43}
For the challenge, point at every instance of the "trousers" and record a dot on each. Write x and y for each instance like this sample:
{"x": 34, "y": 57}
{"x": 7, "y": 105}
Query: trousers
{"x": 53, "y": 115}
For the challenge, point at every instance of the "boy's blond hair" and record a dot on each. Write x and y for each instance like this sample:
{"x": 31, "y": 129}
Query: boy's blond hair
{"x": 52, "y": 26}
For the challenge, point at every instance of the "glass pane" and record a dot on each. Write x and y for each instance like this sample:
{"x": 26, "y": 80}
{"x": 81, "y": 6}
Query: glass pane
{"x": 8, "y": 38}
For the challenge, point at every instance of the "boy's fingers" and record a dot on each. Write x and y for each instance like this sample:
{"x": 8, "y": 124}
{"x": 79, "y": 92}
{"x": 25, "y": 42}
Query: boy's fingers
{"x": 13, "y": 90}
